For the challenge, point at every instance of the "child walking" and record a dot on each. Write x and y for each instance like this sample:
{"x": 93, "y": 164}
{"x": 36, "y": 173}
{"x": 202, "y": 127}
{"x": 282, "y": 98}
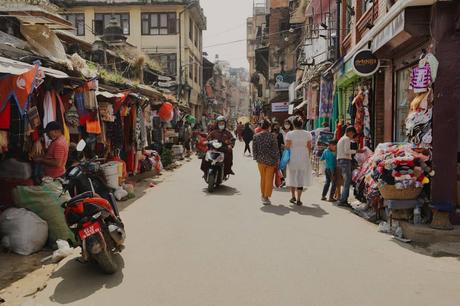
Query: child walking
{"x": 330, "y": 158}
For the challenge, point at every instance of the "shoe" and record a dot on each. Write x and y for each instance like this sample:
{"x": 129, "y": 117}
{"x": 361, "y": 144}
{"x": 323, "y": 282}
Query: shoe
{"x": 323, "y": 199}
{"x": 345, "y": 204}
{"x": 332, "y": 200}
{"x": 266, "y": 201}
{"x": 299, "y": 203}
{"x": 293, "y": 200}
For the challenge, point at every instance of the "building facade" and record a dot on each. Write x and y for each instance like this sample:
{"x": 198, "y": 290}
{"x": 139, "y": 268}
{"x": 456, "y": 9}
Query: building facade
{"x": 168, "y": 31}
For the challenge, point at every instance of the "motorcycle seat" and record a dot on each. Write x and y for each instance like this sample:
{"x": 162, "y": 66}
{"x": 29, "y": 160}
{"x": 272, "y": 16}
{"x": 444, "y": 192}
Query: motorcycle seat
{"x": 78, "y": 198}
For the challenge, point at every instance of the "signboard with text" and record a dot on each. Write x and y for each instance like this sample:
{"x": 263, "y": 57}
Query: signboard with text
{"x": 365, "y": 63}
{"x": 280, "y": 107}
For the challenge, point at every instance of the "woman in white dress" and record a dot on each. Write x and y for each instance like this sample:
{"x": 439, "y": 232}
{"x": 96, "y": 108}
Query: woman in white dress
{"x": 299, "y": 171}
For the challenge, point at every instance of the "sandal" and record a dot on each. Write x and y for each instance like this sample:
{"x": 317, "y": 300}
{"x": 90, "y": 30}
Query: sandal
{"x": 299, "y": 203}
{"x": 293, "y": 200}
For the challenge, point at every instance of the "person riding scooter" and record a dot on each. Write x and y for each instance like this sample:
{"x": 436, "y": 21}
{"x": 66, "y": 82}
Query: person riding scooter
{"x": 225, "y": 136}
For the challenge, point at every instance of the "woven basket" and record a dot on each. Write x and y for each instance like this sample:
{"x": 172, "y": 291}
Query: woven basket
{"x": 390, "y": 192}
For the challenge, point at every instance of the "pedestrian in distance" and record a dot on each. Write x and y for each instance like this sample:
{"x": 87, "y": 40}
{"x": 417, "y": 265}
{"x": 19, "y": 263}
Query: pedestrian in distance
{"x": 287, "y": 127}
{"x": 267, "y": 155}
{"x": 344, "y": 163}
{"x": 279, "y": 136}
{"x": 247, "y": 135}
{"x": 330, "y": 158}
{"x": 299, "y": 170}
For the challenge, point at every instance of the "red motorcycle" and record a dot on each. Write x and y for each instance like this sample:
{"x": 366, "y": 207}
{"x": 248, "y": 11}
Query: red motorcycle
{"x": 95, "y": 221}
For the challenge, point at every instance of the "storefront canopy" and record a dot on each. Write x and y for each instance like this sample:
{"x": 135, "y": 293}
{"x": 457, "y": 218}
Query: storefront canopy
{"x": 8, "y": 66}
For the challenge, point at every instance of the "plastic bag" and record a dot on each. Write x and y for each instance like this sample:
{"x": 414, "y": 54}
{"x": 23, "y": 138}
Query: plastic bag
{"x": 23, "y": 231}
{"x": 62, "y": 252}
{"x": 285, "y": 159}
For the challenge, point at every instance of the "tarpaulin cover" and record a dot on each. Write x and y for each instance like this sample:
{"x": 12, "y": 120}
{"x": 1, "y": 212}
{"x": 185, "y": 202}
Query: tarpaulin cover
{"x": 44, "y": 41}
{"x": 45, "y": 201}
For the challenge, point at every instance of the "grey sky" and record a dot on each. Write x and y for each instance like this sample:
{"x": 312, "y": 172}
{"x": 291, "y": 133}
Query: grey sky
{"x": 227, "y": 22}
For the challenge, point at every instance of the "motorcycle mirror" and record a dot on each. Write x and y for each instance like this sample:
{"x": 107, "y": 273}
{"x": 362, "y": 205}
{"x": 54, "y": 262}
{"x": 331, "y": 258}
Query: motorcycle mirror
{"x": 81, "y": 145}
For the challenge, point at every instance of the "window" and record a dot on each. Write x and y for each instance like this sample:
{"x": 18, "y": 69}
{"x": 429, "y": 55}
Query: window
{"x": 102, "y": 20}
{"x": 190, "y": 68}
{"x": 190, "y": 29}
{"x": 158, "y": 23}
{"x": 402, "y": 103}
{"x": 197, "y": 36}
{"x": 78, "y": 21}
{"x": 168, "y": 62}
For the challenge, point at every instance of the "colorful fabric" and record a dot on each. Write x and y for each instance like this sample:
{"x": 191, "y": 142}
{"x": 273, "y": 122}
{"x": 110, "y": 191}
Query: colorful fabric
{"x": 265, "y": 149}
{"x": 326, "y": 99}
{"x": 19, "y": 88}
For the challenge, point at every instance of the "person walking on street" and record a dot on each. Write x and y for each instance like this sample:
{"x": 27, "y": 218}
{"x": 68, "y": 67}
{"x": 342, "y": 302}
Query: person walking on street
{"x": 299, "y": 172}
{"x": 344, "y": 163}
{"x": 279, "y": 136}
{"x": 287, "y": 127}
{"x": 248, "y": 135}
{"x": 330, "y": 158}
{"x": 267, "y": 155}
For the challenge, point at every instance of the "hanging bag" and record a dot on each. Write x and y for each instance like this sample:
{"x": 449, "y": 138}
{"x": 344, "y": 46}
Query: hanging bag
{"x": 285, "y": 158}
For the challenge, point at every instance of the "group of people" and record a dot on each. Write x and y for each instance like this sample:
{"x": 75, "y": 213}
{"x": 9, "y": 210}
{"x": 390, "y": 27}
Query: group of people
{"x": 270, "y": 141}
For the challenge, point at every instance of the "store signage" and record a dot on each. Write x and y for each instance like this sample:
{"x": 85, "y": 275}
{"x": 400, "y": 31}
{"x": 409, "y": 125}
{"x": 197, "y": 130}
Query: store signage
{"x": 280, "y": 107}
{"x": 283, "y": 80}
{"x": 394, "y": 28}
{"x": 365, "y": 63}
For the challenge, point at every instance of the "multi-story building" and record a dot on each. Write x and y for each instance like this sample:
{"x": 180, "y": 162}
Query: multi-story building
{"x": 169, "y": 31}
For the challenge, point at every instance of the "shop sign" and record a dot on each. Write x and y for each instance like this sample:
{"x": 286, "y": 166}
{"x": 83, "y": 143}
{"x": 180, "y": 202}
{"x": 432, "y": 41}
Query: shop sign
{"x": 280, "y": 107}
{"x": 283, "y": 81}
{"x": 389, "y": 32}
{"x": 365, "y": 63}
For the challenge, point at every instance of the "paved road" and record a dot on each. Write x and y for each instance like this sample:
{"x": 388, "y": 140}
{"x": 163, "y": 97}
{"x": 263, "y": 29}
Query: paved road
{"x": 186, "y": 247}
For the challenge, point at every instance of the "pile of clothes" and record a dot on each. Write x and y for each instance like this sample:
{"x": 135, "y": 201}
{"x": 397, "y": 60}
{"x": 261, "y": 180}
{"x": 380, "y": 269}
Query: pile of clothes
{"x": 398, "y": 164}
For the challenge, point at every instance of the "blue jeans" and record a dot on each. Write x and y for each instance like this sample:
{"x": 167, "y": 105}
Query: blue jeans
{"x": 330, "y": 180}
{"x": 345, "y": 168}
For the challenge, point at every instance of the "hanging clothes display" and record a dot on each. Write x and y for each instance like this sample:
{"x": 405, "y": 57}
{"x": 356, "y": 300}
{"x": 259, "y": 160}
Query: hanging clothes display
{"x": 367, "y": 120}
{"x": 326, "y": 99}
{"x": 49, "y": 113}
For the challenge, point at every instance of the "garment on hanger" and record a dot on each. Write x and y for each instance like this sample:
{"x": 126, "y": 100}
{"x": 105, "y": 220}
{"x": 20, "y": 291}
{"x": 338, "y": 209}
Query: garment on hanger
{"x": 431, "y": 60}
{"x": 420, "y": 78}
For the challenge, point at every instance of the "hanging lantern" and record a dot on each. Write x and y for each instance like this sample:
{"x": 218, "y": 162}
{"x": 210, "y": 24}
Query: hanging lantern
{"x": 166, "y": 112}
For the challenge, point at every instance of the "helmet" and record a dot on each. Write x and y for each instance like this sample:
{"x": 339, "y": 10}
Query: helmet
{"x": 220, "y": 119}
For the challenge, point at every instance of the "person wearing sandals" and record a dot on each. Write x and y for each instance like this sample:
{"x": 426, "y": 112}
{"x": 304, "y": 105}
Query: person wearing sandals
{"x": 299, "y": 170}
{"x": 266, "y": 153}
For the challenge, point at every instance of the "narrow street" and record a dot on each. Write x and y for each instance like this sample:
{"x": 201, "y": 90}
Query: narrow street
{"x": 186, "y": 247}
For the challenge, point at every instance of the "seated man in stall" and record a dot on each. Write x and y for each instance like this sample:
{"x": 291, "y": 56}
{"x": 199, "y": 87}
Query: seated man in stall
{"x": 55, "y": 159}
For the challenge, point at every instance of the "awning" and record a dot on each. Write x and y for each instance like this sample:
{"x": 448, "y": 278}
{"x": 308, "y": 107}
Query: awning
{"x": 9, "y": 66}
{"x": 109, "y": 95}
{"x": 35, "y": 14}
{"x": 381, "y": 23}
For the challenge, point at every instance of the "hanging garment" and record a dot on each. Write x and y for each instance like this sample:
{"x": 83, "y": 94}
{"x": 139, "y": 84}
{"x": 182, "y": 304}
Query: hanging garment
{"x": 93, "y": 126}
{"x": 326, "y": 99}
{"x": 431, "y": 60}
{"x": 49, "y": 113}
{"x": 421, "y": 78}
{"x": 18, "y": 88}
{"x": 90, "y": 100}
{"x": 5, "y": 116}
{"x": 34, "y": 117}
{"x": 17, "y": 130}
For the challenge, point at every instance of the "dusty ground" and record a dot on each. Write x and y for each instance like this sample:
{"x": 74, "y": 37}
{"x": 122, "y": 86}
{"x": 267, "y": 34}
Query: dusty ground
{"x": 187, "y": 247}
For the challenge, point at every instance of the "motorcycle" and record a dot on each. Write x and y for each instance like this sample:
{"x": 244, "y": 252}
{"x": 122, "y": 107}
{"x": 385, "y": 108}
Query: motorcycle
{"x": 215, "y": 176}
{"x": 94, "y": 220}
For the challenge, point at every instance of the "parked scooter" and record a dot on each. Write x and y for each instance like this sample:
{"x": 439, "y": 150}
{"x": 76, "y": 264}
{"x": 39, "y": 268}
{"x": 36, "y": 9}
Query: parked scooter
{"x": 215, "y": 176}
{"x": 94, "y": 220}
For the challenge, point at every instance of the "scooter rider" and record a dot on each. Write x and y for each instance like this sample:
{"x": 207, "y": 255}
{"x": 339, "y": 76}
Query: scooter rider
{"x": 226, "y": 138}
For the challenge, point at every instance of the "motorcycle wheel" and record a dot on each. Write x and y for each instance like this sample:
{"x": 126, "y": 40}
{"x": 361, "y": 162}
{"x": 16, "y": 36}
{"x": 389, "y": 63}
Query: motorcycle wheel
{"x": 106, "y": 262}
{"x": 211, "y": 182}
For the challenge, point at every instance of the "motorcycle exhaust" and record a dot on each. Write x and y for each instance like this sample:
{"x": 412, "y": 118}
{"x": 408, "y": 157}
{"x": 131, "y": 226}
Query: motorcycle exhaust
{"x": 118, "y": 234}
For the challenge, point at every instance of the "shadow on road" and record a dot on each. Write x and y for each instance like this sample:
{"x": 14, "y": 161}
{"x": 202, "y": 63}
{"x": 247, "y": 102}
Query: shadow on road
{"x": 315, "y": 211}
{"x": 280, "y": 210}
{"x": 223, "y": 191}
{"x": 80, "y": 281}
